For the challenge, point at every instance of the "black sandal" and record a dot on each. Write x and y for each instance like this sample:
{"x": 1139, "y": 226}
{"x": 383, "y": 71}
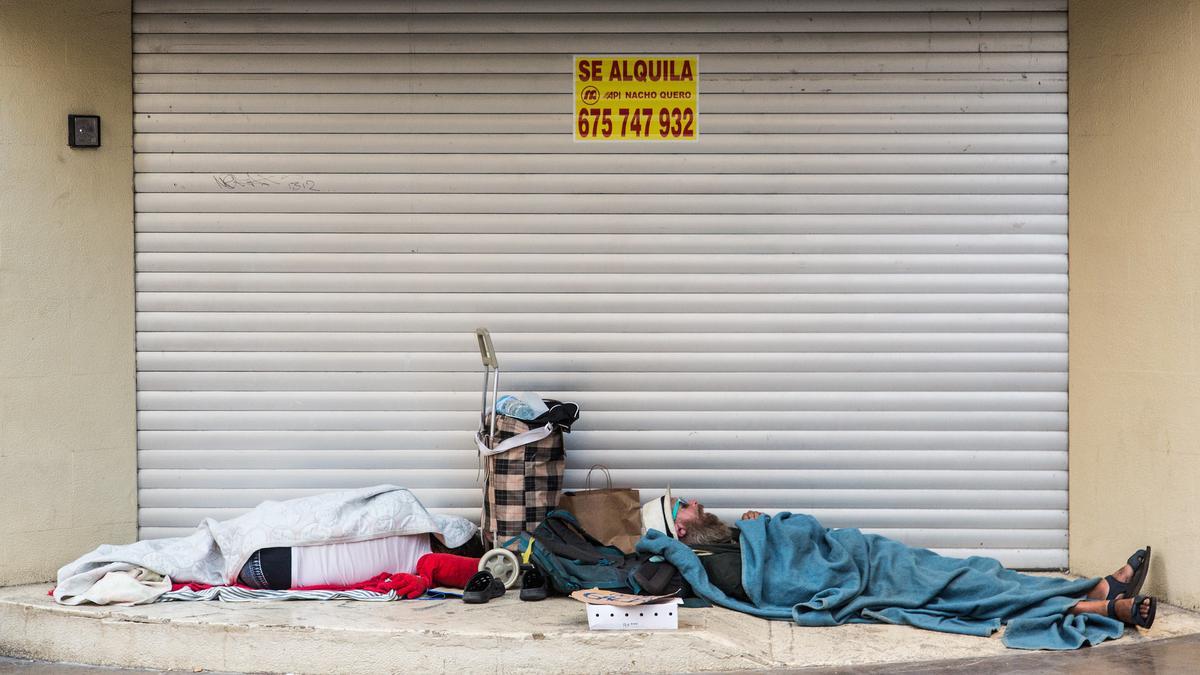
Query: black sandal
{"x": 1135, "y": 612}
{"x": 533, "y": 585}
{"x": 1140, "y": 562}
{"x": 481, "y": 588}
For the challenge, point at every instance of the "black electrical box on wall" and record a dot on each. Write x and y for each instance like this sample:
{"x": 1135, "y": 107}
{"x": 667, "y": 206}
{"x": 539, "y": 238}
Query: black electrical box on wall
{"x": 83, "y": 131}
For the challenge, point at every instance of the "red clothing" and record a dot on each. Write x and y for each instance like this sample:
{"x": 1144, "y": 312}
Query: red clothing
{"x": 445, "y": 569}
{"x": 406, "y": 585}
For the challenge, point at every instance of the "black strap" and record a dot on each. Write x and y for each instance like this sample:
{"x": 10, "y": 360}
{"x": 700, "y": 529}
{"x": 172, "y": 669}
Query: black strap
{"x": 1115, "y": 587}
{"x": 662, "y": 505}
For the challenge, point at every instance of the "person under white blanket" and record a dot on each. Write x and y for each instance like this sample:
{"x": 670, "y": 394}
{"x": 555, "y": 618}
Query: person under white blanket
{"x": 216, "y": 553}
{"x": 339, "y": 564}
{"x": 352, "y": 562}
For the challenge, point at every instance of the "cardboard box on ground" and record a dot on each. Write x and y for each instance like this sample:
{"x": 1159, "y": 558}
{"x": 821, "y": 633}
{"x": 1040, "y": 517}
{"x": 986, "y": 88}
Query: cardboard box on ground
{"x": 607, "y": 610}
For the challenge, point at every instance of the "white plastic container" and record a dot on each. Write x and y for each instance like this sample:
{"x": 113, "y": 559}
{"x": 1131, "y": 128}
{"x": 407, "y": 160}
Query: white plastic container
{"x": 660, "y": 616}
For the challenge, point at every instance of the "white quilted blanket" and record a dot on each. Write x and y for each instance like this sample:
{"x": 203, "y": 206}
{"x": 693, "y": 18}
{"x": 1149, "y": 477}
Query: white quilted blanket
{"x": 216, "y": 551}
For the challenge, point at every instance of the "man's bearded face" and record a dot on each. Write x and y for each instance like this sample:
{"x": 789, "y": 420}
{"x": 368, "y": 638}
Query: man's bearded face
{"x": 700, "y": 527}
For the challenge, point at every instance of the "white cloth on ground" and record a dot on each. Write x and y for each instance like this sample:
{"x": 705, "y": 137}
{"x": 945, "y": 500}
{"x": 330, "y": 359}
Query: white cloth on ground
{"x": 126, "y": 587}
{"x": 352, "y": 562}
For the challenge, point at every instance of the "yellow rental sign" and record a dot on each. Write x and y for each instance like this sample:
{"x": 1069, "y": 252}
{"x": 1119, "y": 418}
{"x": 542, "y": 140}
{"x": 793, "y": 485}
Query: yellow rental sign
{"x": 636, "y": 98}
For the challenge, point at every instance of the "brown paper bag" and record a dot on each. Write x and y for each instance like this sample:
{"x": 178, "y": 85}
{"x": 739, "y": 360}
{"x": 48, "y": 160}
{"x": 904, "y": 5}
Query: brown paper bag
{"x": 611, "y": 515}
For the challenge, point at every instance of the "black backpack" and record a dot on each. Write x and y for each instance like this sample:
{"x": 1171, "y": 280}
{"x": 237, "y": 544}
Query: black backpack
{"x": 571, "y": 559}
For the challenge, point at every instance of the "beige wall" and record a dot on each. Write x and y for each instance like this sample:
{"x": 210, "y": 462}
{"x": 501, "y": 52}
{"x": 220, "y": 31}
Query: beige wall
{"x": 67, "y": 457}
{"x": 1135, "y": 276}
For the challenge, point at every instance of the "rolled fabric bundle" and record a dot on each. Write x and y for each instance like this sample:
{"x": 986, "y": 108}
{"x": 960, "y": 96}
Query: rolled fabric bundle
{"x": 445, "y": 569}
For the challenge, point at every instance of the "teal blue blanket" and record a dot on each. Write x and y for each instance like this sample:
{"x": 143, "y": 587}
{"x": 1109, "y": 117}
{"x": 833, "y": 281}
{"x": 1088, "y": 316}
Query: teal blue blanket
{"x": 793, "y": 568}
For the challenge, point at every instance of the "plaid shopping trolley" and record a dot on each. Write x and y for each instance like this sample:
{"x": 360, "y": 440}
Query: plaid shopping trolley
{"x": 523, "y": 460}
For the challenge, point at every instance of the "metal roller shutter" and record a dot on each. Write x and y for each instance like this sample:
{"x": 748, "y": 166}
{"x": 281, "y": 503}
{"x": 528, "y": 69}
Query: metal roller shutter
{"x": 847, "y": 298}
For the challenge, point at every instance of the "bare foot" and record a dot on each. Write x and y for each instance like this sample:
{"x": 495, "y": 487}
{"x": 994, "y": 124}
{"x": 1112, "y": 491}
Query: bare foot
{"x": 1125, "y": 609}
{"x": 1100, "y": 590}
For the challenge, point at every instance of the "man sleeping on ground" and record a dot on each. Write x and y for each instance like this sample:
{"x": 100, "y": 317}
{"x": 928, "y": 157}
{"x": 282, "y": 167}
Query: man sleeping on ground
{"x": 788, "y": 566}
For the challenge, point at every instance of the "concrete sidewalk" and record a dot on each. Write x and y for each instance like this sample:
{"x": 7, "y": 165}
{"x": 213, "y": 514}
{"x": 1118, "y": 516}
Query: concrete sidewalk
{"x": 505, "y": 635}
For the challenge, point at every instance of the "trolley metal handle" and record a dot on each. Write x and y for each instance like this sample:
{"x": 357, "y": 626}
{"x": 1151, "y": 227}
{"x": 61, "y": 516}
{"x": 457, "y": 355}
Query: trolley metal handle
{"x": 487, "y": 419}
{"x": 486, "y": 351}
{"x": 490, "y": 365}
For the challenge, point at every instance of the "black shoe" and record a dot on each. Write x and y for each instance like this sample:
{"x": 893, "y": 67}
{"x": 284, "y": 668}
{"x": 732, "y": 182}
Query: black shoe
{"x": 533, "y": 585}
{"x": 481, "y": 588}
